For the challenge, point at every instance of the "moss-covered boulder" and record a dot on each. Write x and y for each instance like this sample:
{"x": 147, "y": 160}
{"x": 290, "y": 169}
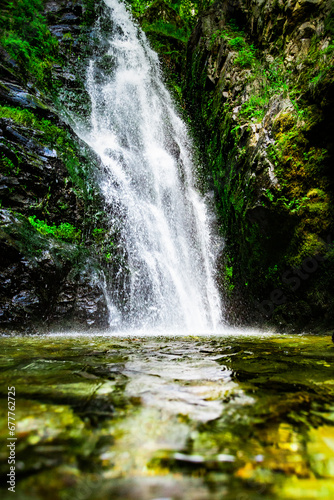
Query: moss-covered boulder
{"x": 46, "y": 281}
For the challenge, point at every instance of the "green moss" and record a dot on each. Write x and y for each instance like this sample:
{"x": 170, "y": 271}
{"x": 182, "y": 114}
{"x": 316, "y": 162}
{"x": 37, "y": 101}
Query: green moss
{"x": 265, "y": 230}
{"x": 255, "y": 107}
{"x": 316, "y": 193}
{"x": 267, "y": 80}
{"x": 64, "y": 231}
{"x": 7, "y": 166}
{"x": 227, "y": 277}
{"x": 246, "y": 57}
{"x": 90, "y": 14}
{"x": 236, "y": 40}
{"x": 319, "y": 69}
{"x": 24, "y": 117}
{"x": 309, "y": 244}
{"x": 168, "y": 29}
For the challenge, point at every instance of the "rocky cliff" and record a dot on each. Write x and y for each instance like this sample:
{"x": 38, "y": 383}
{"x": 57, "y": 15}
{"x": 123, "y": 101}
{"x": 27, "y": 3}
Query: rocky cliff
{"x": 56, "y": 246}
{"x": 259, "y": 85}
{"x": 257, "y": 81}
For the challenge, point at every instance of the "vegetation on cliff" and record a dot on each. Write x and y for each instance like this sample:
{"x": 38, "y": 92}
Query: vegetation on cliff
{"x": 261, "y": 95}
{"x": 168, "y": 25}
{"x": 54, "y": 238}
{"x": 24, "y": 34}
{"x": 258, "y": 83}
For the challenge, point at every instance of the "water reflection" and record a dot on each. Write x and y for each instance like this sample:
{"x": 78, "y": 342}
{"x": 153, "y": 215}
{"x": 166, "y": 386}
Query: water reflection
{"x": 134, "y": 417}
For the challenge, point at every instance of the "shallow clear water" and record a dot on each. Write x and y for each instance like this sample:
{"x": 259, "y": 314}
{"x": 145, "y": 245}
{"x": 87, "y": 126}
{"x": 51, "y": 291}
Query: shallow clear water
{"x": 242, "y": 415}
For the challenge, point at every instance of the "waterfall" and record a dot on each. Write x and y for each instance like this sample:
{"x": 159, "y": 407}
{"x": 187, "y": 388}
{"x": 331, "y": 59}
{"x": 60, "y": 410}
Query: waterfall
{"x": 148, "y": 185}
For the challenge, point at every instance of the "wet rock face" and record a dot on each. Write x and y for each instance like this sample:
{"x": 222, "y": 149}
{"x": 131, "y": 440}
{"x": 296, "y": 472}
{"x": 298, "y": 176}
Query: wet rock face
{"x": 65, "y": 21}
{"x": 31, "y": 171}
{"x": 72, "y": 24}
{"x": 47, "y": 173}
{"x": 259, "y": 83}
{"x": 45, "y": 282}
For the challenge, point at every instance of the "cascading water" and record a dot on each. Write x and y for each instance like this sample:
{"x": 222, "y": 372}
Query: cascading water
{"x": 148, "y": 183}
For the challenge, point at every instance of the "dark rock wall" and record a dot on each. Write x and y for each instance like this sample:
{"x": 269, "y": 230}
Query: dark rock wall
{"x": 51, "y": 271}
{"x": 259, "y": 85}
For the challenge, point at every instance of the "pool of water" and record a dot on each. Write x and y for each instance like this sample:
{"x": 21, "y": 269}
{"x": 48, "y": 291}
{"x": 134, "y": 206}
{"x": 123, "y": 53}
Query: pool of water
{"x": 237, "y": 416}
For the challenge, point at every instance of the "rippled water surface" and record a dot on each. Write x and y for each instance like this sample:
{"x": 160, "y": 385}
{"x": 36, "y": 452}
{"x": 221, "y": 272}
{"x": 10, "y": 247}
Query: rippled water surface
{"x": 240, "y": 416}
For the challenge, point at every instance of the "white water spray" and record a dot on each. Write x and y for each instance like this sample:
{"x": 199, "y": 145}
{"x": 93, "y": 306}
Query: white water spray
{"x": 148, "y": 182}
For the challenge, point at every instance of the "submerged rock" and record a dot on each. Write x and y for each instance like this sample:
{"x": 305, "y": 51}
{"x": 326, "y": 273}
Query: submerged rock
{"x": 232, "y": 414}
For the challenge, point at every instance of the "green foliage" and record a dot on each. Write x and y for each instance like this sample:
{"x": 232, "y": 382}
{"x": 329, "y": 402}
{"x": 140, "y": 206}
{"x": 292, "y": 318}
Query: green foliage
{"x": 269, "y": 195}
{"x": 236, "y": 40}
{"x": 7, "y": 165}
{"x": 271, "y": 273}
{"x": 90, "y": 12}
{"x": 188, "y": 10}
{"x": 315, "y": 81}
{"x": 229, "y": 271}
{"x": 329, "y": 23}
{"x": 237, "y": 43}
{"x": 24, "y": 117}
{"x": 255, "y": 107}
{"x": 208, "y": 107}
{"x": 99, "y": 234}
{"x": 64, "y": 231}
{"x": 167, "y": 29}
{"x": 228, "y": 279}
{"x": 290, "y": 205}
{"x": 108, "y": 256}
{"x": 319, "y": 64}
{"x": 26, "y": 37}
{"x": 138, "y": 7}
{"x": 246, "y": 57}
{"x": 270, "y": 80}
{"x": 265, "y": 230}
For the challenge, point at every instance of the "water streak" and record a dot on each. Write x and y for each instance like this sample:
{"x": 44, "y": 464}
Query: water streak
{"x": 148, "y": 185}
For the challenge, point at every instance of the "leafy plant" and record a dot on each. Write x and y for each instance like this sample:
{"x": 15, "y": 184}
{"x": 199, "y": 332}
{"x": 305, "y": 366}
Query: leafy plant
{"x": 254, "y": 107}
{"x": 229, "y": 278}
{"x": 246, "y": 57}
{"x": 168, "y": 29}
{"x": 7, "y": 164}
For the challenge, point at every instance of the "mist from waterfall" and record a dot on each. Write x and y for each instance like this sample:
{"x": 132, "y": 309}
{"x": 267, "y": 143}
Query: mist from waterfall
{"x": 148, "y": 186}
